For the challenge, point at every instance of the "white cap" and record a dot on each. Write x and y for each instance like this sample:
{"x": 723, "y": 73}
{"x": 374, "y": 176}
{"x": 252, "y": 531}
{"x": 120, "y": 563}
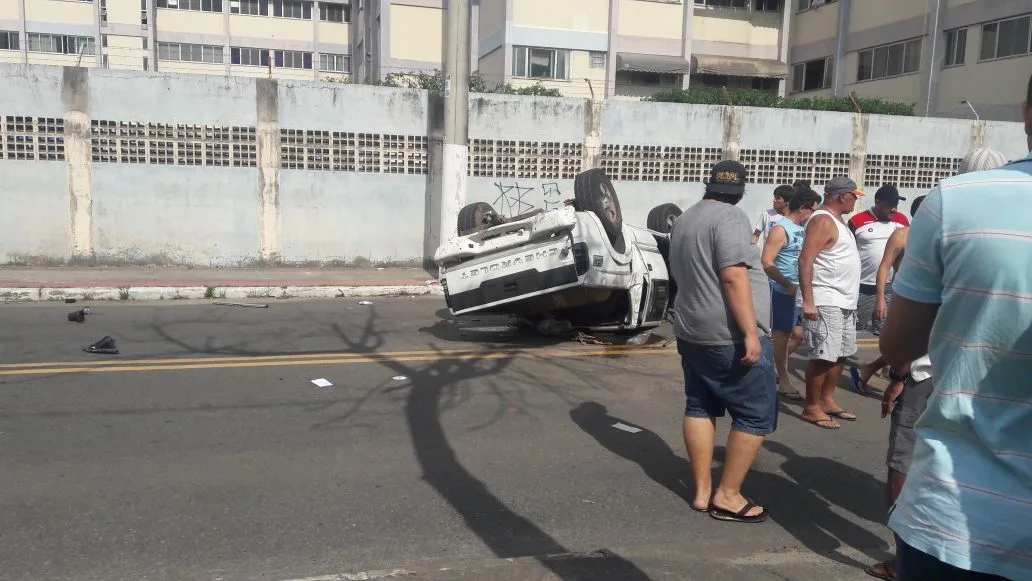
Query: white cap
{"x": 981, "y": 159}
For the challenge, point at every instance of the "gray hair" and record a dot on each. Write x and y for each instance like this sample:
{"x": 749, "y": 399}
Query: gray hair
{"x": 981, "y": 159}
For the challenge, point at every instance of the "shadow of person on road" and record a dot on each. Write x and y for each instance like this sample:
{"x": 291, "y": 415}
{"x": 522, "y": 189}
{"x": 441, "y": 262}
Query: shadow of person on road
{"x": 438, "y": 386}
{"x": 793, "y": 505}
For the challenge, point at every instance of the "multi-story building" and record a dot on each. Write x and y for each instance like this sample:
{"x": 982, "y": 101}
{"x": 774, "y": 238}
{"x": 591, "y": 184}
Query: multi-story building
{"x": 293, "y": 39}
{"x": 949, "y": 57}
{"x": 952, "y": 58}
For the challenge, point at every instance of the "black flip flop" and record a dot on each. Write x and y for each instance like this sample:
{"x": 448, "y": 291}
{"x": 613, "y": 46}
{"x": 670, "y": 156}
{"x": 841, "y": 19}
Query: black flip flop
{"x": 740, "y": 516}
{"x": 839, "y": 415}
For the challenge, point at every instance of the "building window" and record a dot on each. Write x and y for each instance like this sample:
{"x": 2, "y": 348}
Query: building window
{"x": 768, "y": 5}
{"x": 60, "y": 43}
{"x": 540, "y": 63}
{"x": 334, "y": 63}
{"x": 812, "y": 75}
{"x": 198, "y": 5}
{"x": 723, "y": 3}
{"x": 1006, "y": 38}
{"x": 9, "y": 40}
{"x": 334, "y": 12}
{"x": 249, "y": 7}
{"x": 194, "y": 53}
{"x": 956, "y": 47}
{"x": 292, "y": 59}
{"x": 292, "y": 9}
{"x": 103, "y": 11}
{"x": 598, "y": 60}
{"x": 890, "y": 61}
{"x": 808, "y": 4}
{"x": 249, "y": 57}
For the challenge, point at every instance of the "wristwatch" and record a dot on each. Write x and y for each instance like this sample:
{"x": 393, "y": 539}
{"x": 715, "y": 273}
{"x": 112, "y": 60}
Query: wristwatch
{"x": 894, "y": 376}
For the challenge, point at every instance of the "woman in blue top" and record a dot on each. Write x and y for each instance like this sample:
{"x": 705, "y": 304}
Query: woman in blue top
{"x": 781, "y": 263}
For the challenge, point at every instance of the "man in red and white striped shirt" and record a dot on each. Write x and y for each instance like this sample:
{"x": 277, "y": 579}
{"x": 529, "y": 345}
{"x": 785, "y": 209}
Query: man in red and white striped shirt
{"x": 872, "y": 229}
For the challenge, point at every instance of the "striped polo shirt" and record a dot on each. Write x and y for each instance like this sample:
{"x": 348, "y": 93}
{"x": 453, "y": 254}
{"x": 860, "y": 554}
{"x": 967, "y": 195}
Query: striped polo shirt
{"x": 968, "y": 495}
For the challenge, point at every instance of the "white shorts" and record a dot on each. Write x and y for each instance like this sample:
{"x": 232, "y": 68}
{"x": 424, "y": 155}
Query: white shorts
{"x": 832, "y": 336}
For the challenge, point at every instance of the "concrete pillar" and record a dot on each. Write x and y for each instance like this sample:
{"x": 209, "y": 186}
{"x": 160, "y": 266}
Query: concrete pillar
{"x": 316, "y": 51}
{"x": 612, "y": 47}
{"x": 75, "y": 92}
{"x": 732, "y": 132}
{"x": 858, "y": 151}
{"x": 787, "y": 9}
{"x": 267, "y": 91}
{"x": 591, "y": 156}
{"x": 687, "y": 18}
{"x": 977, "y": 135}
{"x": 507, "y": 44}
{"x": 227, "y": 53}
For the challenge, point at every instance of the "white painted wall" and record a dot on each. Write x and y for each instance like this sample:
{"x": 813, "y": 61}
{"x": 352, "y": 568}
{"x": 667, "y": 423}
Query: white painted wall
{"x": 207, "y": 215}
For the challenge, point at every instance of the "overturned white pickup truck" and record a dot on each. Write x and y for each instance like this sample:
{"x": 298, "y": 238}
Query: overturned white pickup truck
{"x": 579, "y": 263}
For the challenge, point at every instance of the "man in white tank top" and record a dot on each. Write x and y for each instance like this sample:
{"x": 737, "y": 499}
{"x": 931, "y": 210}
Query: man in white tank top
{"x": 829, "y": 283}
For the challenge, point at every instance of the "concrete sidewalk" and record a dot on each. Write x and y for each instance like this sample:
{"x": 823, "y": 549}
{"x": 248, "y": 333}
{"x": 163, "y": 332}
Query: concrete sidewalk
{"x": 59, "y": 283}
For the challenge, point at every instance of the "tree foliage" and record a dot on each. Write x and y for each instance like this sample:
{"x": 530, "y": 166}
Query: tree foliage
{"x": 435, "y": 82}
{"x": 757, "y": 98}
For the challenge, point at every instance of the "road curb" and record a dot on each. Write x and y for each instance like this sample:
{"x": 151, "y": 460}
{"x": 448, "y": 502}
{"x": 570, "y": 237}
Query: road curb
{"x": 157, "y": 293}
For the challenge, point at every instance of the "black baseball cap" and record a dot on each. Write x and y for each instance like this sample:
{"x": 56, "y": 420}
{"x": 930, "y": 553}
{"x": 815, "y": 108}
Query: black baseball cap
{"x": 727, "y": 177}
{"x": 889, "y": 195}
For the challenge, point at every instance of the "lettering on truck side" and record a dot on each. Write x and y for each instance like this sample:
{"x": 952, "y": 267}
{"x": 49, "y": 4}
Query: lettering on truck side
{"x": 507, "y": 264}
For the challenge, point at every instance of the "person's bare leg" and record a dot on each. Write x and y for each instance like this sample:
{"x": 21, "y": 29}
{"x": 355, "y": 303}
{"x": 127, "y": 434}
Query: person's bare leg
{"x": 816, "y": 376}
{"x": 827, "y": 395}
{"x": 893, "y": 486}
{"x": 795, "y": 340}
{"x": 699, "y": 437}
{"x": 782, "y": 349}
{"x": 868, "y": 371}
{"x": 741, "y": 452}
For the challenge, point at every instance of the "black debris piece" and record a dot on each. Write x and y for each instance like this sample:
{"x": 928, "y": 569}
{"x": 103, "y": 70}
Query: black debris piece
{"x": 105, "y": 346}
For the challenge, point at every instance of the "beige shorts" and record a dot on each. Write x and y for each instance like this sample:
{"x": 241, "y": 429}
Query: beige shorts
{"x": 832, "y": 336}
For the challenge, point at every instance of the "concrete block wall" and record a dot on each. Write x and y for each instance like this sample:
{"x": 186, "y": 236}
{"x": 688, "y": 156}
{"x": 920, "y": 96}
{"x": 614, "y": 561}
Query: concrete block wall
{"x": 122, "y": 167}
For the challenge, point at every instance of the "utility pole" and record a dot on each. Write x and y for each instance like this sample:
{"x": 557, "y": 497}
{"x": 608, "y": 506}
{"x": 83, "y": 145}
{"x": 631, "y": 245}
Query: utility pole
{"x": 455, "y": 154}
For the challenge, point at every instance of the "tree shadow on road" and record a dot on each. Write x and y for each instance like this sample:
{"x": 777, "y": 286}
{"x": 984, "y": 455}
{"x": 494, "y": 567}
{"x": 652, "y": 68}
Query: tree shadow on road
{"x": 438, "y": 386}
{"x": 797, "y": 506}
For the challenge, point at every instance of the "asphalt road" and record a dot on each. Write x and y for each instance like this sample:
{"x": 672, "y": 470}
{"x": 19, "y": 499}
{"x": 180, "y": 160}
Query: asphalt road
{"x": 203, "y": 451}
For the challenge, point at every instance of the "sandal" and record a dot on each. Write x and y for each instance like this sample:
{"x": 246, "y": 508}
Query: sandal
{"x": 826, "y": 423}
{"x": 881, "y": 571}
{"x": 843, "y": 415}
{"x": 740, "y": 516}
{"x": 792, "y": 395}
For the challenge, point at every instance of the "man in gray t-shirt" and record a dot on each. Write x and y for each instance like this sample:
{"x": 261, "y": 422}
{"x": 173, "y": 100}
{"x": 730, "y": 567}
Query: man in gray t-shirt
{"x": 722, "y": 317}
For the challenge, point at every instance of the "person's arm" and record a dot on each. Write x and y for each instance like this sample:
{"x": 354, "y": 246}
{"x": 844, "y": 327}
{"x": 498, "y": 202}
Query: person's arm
{"x": 776, "y": 240}
{"x": 732, "y": 253}
{"x": 897, "y": 242}
{"x": 761, "y": 225}
{"x": 821, "y": 233}
{"x": 918, "y": 288}
{"x": 738, "y": 293}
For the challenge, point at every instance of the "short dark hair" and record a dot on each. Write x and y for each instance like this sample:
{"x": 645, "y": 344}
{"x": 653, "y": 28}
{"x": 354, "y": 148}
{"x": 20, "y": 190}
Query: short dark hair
{"x": 804, "y": 199}
{"x": 732, "y": 199}
{"x": 915, "y": 205}
{"x": 801, "y": 185}
{"x": 784, "y": 192}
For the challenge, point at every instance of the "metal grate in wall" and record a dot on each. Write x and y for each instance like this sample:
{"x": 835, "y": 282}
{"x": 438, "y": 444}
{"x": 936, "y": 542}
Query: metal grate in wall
{"x": 656, "y": 163}
{"x": 32, "y": 138}
{"x": 173, "y": 144}
{"x": 770, "y": 166}
{"x": 525, "y": 159}
{"x": 910, "y": 171}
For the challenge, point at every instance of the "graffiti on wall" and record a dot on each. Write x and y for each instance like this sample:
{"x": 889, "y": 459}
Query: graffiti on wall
{"x": 514, "y": 198}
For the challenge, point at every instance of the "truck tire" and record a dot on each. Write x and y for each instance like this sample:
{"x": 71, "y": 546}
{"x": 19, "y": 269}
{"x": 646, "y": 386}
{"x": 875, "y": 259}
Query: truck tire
{"x": 661, "y": 219}
{"x": 474, "y": 218}
{"x": 594, "y": 192}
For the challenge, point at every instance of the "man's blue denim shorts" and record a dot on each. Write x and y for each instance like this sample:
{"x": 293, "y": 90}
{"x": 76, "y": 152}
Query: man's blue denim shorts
{"x": 716, "y": 381}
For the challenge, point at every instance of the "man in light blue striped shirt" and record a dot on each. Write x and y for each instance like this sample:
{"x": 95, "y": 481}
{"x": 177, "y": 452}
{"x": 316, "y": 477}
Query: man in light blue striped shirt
{"x": 964, "y": 292}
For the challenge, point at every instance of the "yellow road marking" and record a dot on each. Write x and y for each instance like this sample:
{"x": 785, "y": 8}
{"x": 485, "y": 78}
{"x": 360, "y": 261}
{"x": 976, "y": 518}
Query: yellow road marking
{"x": 342, "y": 359}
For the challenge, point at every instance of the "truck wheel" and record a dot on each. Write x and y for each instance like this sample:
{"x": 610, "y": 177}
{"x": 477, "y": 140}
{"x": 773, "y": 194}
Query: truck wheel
{"x": 662, "y": 217}
{"x": 474, "y": 218}
{"x": 594, "y": 192}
